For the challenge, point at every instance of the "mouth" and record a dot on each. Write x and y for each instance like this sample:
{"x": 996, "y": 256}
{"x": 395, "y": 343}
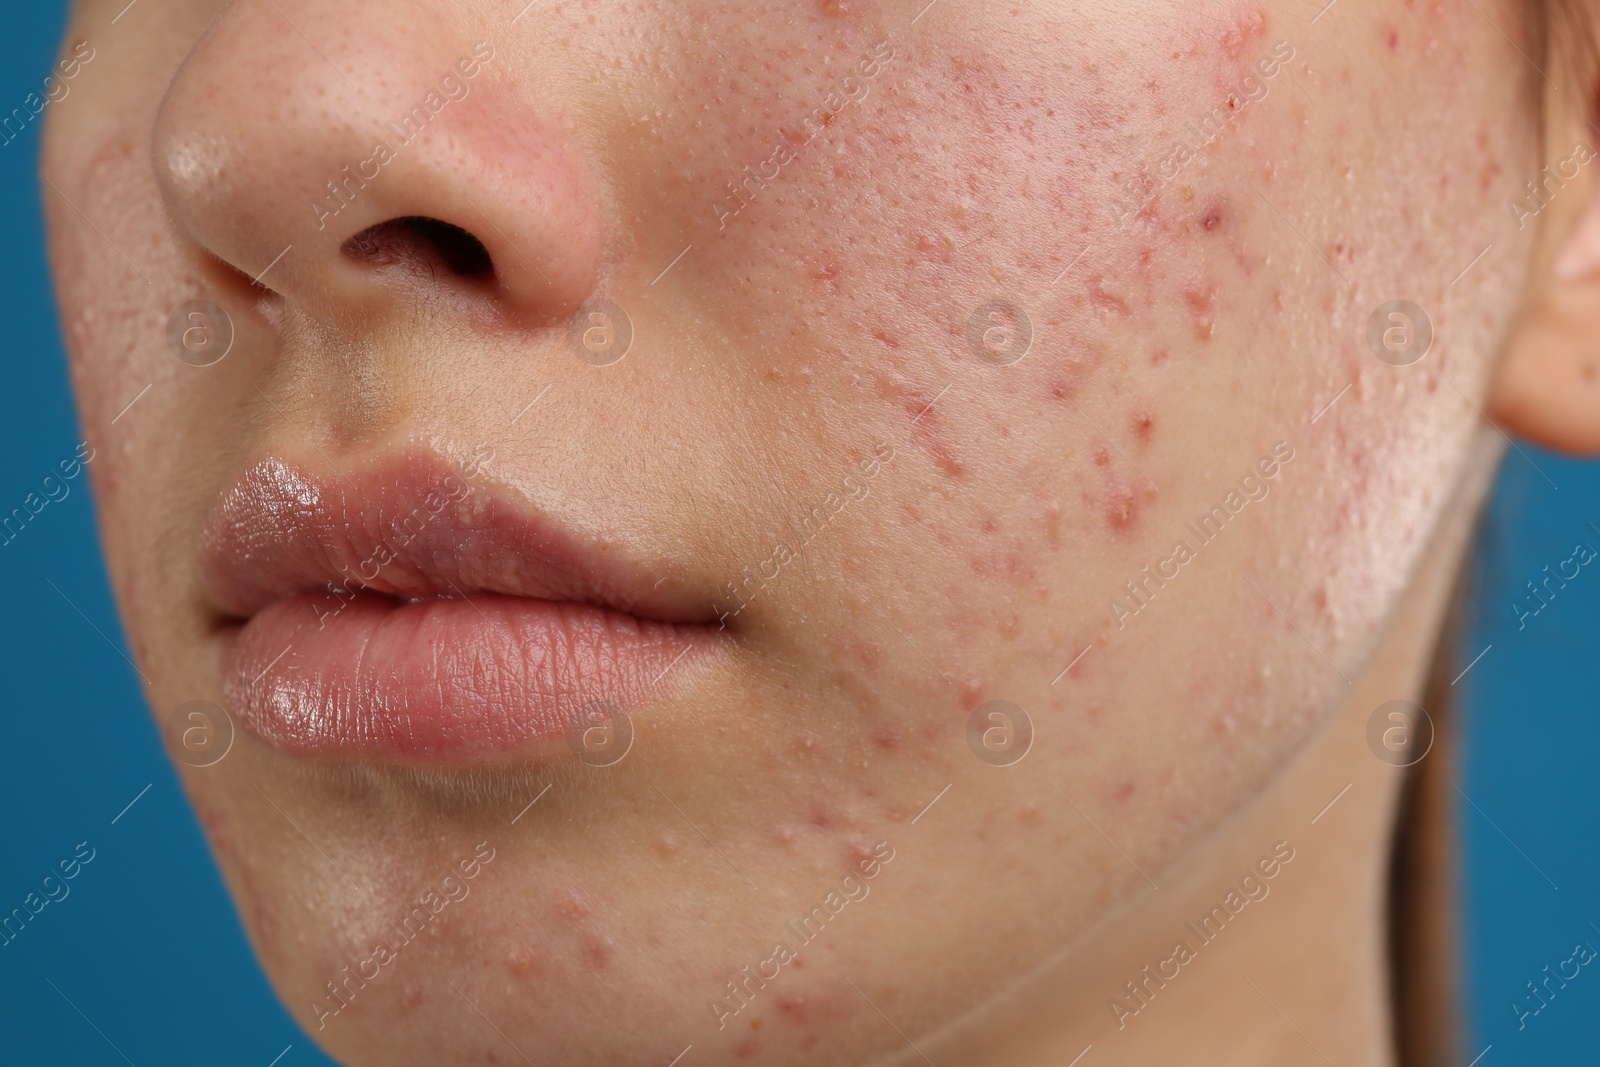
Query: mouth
{"x": 411, "y": 610}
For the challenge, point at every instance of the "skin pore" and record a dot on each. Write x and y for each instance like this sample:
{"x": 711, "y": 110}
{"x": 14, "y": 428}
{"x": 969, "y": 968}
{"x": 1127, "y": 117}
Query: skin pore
{"x": 806, "y": 211}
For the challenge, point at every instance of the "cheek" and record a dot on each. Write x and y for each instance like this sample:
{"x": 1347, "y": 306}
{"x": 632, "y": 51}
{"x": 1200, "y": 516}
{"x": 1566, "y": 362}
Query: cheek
{"x": 1005, "y": 185}
{"x": 1081, "y": 198}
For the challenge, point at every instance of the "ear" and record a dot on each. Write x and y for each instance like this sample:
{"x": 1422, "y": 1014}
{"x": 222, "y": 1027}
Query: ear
{"x": 1547, "y": 388}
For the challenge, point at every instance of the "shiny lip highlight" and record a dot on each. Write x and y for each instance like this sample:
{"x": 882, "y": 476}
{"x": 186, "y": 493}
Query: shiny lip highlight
{"x": 412, "y": 611}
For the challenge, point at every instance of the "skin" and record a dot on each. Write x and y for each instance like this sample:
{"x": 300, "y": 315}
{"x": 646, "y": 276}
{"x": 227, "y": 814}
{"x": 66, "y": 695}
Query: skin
{"x": 1172, "y": 349}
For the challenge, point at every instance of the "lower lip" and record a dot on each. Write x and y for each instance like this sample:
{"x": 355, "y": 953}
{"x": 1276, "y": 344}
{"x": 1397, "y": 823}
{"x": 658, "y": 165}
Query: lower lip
{"x": 444, "y": 681}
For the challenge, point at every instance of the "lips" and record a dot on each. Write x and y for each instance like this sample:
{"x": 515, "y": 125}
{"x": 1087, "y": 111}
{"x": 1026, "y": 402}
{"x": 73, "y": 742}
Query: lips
{"x": 411, "y": 610}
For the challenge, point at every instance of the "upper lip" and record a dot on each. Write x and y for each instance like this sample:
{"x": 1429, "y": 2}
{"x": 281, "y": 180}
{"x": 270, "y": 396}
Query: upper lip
{"x": 414, "y": 526}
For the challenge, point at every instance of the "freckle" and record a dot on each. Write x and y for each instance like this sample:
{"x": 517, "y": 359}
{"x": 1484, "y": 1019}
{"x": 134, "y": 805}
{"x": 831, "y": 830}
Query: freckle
{"x": 413, "y": 998}
{"x": 523, "y": 961}
{"x": 1588, "y": 372}
{"x": 1029, "y": 812}
{"x": 757, "y": 1023}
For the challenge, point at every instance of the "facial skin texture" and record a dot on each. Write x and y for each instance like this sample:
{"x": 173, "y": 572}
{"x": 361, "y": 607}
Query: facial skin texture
{"x": 775, "y": 348}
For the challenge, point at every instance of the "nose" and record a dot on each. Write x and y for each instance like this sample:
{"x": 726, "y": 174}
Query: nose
{"x": 345, "y": 160}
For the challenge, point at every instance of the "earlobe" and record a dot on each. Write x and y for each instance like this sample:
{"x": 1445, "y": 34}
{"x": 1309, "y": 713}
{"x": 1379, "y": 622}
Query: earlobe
{"x": 1547, "y": 388}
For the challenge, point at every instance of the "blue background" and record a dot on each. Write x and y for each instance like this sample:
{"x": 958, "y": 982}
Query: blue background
{"x": 145, "y": 962}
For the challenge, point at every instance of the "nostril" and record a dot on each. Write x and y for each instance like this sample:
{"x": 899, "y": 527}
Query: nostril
{"x": 421, "y": 243}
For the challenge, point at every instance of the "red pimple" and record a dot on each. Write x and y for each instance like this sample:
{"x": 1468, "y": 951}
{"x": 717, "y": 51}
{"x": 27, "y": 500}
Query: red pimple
{"x": 886, "y": 738}
{"x": 920, "y": 410}
{"x": 1101, "y": 456}
{"x": 1248, "y": 27}
{"x": 1105, "y": 302}
{"x": 795, "y": 1009}
{"x": 266, "y": 925}
{"x": 1201, "y": 296}
{"x": 523, "y": 962}
{"x": 573, "y": 906}
{"x": 1142, "y": 425}
{"x": 597, "y": 955}
{"x": 1121, "y": 508}
{"x": 867, "y": 653}
{"x": 1052, "y": 522}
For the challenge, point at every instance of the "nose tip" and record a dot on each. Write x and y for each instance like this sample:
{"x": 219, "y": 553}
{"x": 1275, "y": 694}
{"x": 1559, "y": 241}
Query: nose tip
{"x": 357, "y": 170}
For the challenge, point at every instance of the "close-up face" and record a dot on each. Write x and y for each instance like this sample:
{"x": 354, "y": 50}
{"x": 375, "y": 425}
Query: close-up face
{"x": 846, "y": 492}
